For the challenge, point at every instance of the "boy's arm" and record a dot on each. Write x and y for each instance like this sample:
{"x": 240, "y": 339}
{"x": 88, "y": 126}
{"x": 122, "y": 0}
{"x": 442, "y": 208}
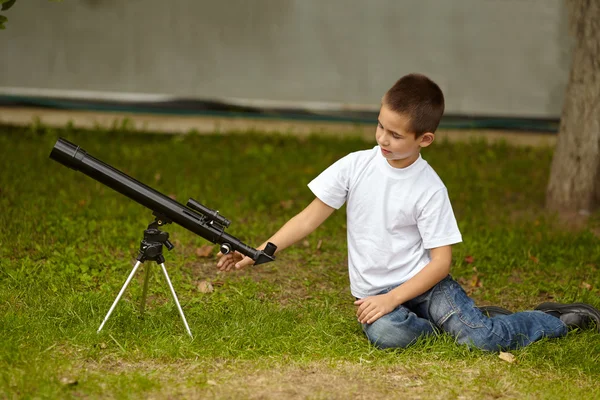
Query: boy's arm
{"x": 294, "y": 230}
{"x": 370, "y": 309}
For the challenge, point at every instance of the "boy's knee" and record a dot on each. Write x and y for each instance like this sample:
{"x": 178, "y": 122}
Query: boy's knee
{"x": 383, "y": 334}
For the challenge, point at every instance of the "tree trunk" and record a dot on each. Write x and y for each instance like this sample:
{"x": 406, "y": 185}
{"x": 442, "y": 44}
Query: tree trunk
{"x": 575, "y": 174}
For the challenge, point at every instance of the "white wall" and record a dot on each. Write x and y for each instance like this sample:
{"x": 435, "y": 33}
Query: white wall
{"x": 491, "y": 57}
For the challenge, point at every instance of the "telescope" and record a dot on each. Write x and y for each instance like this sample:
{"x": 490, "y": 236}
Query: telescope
{"x": 194, "y": 217}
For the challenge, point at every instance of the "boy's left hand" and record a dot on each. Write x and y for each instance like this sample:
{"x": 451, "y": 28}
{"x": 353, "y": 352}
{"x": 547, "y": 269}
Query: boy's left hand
{"x": 371, "y": 308}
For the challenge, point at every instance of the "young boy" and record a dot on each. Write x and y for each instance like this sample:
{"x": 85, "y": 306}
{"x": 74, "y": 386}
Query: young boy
{"x": 400, "y": 230}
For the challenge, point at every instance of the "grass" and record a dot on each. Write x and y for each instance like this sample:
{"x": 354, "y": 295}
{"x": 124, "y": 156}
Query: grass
{"x": 284, "y": 329}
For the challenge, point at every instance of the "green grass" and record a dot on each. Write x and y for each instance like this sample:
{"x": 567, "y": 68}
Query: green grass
{"x": 283, "y": 329}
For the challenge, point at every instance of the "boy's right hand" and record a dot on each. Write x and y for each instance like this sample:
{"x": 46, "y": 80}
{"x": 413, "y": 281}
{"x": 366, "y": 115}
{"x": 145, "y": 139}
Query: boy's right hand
{"x": 233, "y": 260}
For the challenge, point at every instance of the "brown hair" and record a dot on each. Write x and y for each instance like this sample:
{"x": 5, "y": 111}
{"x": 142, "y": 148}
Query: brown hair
{"x": 420, "y": 99}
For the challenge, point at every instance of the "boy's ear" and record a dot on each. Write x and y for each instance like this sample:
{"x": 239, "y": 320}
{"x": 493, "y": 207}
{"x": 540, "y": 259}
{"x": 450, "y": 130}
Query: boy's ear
{"x": 426, "y": 139}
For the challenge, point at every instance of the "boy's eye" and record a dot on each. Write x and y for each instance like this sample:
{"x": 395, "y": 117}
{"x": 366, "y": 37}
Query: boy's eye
{"x": 379, "y": 124}
{"x": 396, "y": 136}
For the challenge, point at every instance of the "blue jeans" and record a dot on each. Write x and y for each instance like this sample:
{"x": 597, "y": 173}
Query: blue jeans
{"x": 447, "y": 308}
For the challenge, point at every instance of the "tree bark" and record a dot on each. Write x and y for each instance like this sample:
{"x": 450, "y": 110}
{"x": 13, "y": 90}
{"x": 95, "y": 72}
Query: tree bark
{"x": 575, "y": 173}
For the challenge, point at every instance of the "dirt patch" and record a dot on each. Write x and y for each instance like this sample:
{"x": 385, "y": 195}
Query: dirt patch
{"x": 422, "y": 377}
{"x": 425, "y": 376}
{"x": 242, "y": 379}
{"x": 319, "y": 381}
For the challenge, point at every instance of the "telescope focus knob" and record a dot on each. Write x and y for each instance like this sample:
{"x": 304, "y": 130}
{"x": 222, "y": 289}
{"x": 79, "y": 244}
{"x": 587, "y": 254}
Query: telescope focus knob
{"x": 270, "y": 249}
{"x": 225, "y": 248}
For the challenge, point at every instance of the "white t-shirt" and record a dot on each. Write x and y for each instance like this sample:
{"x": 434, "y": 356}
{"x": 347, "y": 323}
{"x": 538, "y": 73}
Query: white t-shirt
{"x": 394, "y": 216}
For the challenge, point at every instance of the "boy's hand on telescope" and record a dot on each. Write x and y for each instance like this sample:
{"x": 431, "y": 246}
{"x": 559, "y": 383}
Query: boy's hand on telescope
{"x": 371, "y": 308}
{"x": 233, "y": 260}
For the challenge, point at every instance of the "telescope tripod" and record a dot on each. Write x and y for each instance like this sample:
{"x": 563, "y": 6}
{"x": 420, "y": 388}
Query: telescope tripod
{"x": 150, "y": 249}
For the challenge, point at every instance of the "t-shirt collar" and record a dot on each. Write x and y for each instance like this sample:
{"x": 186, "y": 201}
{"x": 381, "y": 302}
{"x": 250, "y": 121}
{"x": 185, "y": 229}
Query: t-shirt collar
{"x": 400, "y": 173}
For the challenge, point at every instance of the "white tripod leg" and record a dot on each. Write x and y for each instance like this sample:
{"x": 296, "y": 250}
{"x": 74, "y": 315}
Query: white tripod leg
{"x": 176, "y": 300}
{"x": 137, "y": 264}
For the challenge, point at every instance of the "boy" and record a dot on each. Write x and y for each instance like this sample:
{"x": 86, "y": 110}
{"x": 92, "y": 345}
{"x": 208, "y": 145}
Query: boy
{"x": 400, "y": 230}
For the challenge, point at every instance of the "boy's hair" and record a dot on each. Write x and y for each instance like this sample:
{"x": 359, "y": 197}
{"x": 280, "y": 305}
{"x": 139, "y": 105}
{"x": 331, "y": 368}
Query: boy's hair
{"x": 420, "y": 99}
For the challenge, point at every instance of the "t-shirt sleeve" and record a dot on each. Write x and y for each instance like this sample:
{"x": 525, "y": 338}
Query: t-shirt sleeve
{"x": 331, "y": 186}
{"x": 436, "y": 222}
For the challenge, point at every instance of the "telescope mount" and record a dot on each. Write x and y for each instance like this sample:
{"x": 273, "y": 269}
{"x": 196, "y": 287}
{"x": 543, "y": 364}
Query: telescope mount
{"x": 151, "y": 247}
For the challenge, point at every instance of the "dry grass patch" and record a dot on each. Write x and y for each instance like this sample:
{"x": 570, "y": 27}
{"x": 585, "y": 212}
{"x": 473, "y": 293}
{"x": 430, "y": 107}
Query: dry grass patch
{"x": 484, "y": 378}
{"x": 234, "y": 379}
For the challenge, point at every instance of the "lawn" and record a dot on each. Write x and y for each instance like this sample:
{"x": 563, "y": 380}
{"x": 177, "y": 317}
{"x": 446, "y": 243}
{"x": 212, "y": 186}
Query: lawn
{"x": 280, "y": 330}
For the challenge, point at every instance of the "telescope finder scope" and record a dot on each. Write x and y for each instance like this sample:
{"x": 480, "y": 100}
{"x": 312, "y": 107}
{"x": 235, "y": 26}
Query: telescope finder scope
{"x": 208, "y": 213}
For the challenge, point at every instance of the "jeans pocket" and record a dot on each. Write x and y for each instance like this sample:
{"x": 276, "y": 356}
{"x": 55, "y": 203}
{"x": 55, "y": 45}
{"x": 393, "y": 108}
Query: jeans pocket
{"x": 459, "y": 304}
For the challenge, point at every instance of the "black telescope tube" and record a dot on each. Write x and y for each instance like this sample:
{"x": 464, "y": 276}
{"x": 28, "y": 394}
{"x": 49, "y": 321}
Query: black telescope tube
{"x": 73, "y": 156}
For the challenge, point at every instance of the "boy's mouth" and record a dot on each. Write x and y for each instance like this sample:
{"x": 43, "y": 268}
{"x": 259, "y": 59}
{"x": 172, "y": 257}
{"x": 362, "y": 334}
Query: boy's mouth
{"x": 384, "y": 151}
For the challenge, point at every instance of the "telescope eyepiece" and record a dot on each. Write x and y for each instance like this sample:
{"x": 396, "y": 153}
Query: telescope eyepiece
{"x": 270, "y": 249}
{"x": 213, "y": 215}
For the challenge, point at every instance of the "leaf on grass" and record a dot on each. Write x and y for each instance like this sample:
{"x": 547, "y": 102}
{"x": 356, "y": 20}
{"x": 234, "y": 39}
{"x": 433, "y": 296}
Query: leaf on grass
{"x": 68, "y": 381}
{"x": 469, "y": 259}
{"x": 508, "y": 357}
{"x": 319, "y": 244}
{"x": 585, "y": 285}
{"x": 157, "y": 176}
{"x": 204, "y": 287}
{"x": 533, "y": 258}
{"x": 286, "y": 204}
{"x": 475, "y": 281}
{"x": 211, "y": 382}
{"x": 306, "y": 243}
{"x": 103, "y": 345}
{"x": 173, "y": 196}
{"x": 204, "y": 251}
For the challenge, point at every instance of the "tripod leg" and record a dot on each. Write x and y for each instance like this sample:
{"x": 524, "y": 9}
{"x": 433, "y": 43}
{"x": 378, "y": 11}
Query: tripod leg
{"x": 147, "y": 272}
{"x": 137, "y": 264}
{"x": 176, "y": 301}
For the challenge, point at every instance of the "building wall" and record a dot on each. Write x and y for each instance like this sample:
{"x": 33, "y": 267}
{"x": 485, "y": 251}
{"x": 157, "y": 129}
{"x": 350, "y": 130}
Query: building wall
{"x": 491, "y": 57}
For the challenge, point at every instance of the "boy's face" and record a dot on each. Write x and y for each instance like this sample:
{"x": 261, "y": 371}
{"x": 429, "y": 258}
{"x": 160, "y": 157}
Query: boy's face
{"x": 398, "y": 145}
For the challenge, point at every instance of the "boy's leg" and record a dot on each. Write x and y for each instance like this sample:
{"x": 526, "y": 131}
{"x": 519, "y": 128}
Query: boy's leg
{"x": 398, "y": 329}
{"x": 451, "y": 310}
